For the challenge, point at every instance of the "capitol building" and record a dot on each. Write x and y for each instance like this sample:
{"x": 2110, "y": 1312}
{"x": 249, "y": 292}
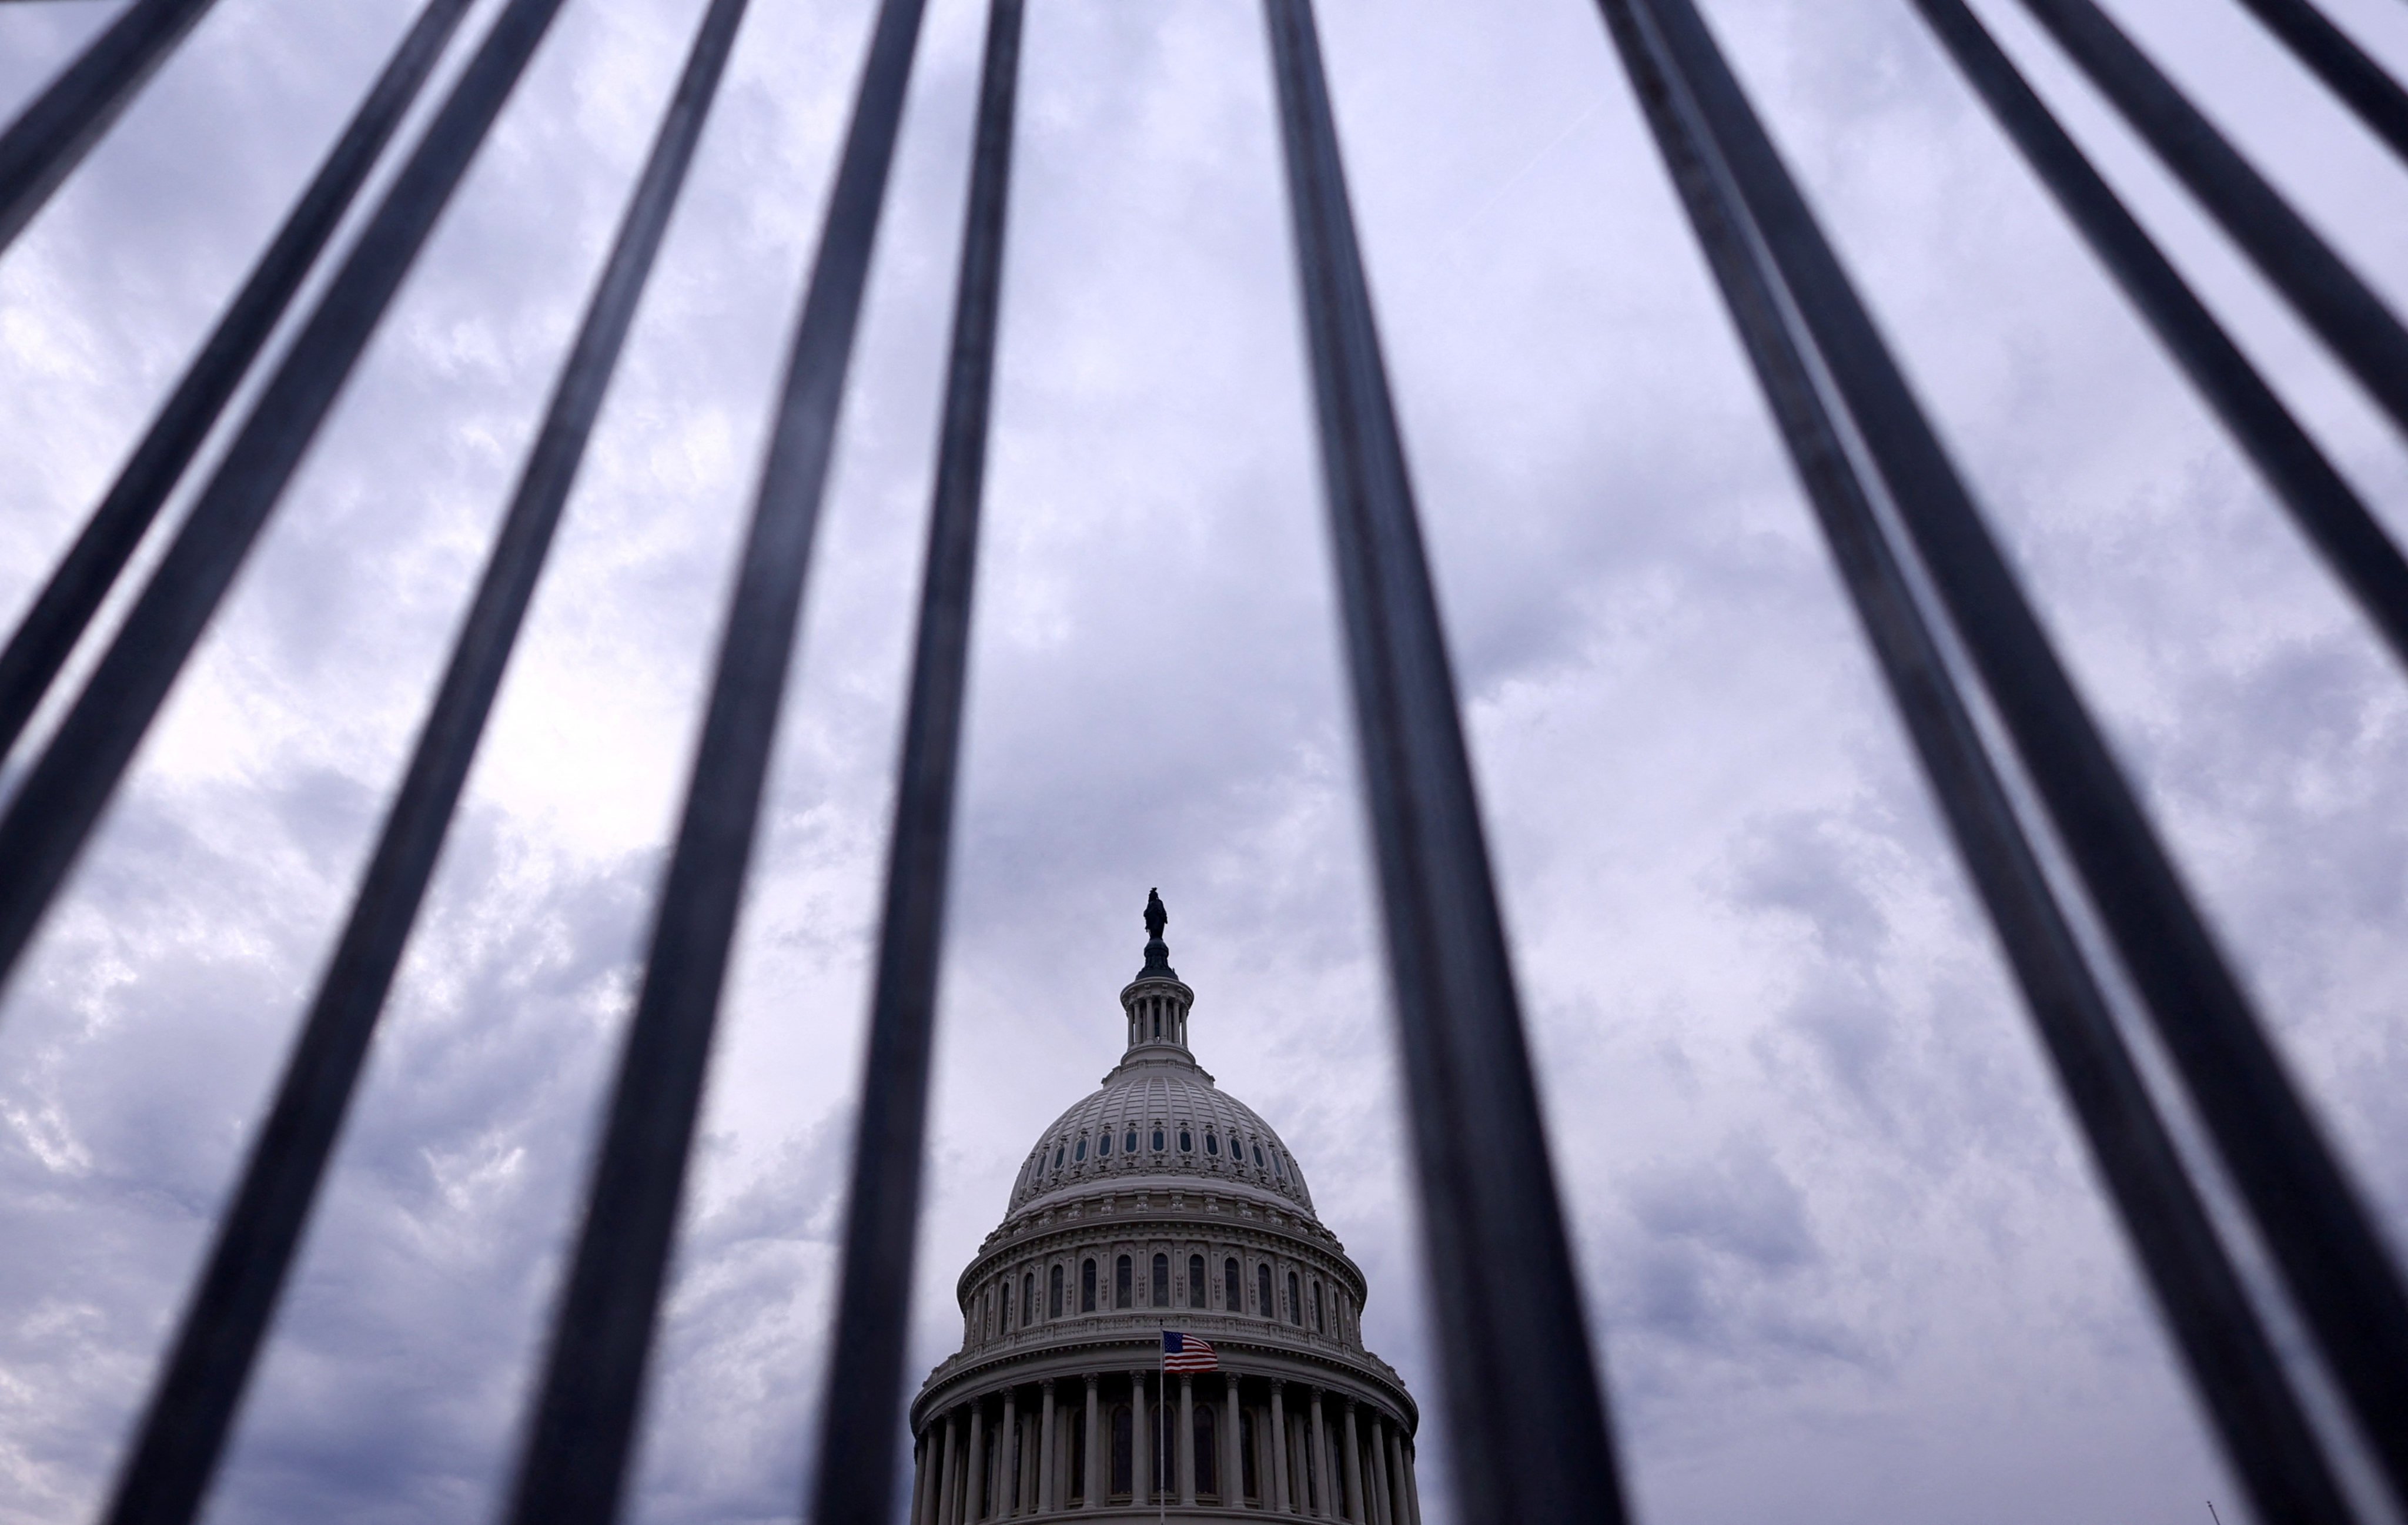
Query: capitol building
{"x": 1160, "y": 1203}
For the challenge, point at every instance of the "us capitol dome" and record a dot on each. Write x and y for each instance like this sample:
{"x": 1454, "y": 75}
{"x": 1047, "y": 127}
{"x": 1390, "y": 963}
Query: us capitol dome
{"x": 1162, "y": 1206}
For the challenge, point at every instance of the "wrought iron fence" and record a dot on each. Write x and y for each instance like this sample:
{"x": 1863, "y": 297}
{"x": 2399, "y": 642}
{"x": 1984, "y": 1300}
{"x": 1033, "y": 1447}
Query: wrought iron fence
{"x": 2048, "y": 828}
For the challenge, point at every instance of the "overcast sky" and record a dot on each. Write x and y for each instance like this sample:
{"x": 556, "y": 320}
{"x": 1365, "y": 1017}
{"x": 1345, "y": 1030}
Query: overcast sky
{"x": 1841, "y": 1248}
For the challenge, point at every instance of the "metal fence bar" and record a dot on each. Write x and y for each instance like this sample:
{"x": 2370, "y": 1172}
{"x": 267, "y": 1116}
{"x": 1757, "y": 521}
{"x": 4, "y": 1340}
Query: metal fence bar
{"x": 1528, "y": 1416}
{"x": 2231, "y": 1362}
{"x": 2342, "y": 64}
{"x": 2351, "y": 320}
{"x": 573, "y": 1468}
{"x": 192, "y": 1408}
{"x": 56, "y": 620}
{"x": 46, "y": 825}
{"x": 2319, "y": 1232}
{"x": 51, "y": 136}
{"x": 863, "y": 1390}
{"x": 2335, "y": 520}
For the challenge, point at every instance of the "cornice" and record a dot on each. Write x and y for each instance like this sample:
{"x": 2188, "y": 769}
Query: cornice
{"x": 1113, "y": 1344}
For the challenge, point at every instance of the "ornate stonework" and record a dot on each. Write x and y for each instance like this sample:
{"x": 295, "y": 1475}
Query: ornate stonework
{"x": 1161, "y": 1202}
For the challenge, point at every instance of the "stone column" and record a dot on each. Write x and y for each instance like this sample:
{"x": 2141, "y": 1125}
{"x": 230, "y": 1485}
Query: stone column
{"x": 974, "y": 1491}
{"x": 1355, "y": 1500}
{"x": 1143, "y": 1440}
{"x": 1316, "y": 1437}
{"x": 1275, "y": 1495}
{"x": 1400, "y": 1489}
{"x": 1185, "y": 1448}
{"x": 1006, "y": 1449}
{"x": 1384, "y": 1510}
{"x": 920, "y": 1448}
{"x": 1097, "y": 1482}
{"x": 1413, "y": 1485}
{"x": 1047, "y": 1497}
{"x": 948, "y": 1492}
{"x": 1233, "y": 1448}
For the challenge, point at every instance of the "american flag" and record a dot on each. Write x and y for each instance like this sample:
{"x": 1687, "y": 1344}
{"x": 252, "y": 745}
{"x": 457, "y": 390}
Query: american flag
{"x": 1186, "y": 1353}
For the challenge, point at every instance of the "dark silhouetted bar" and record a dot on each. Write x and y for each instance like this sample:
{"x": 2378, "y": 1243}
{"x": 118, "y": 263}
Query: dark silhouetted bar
{"x": 1527, "y": 1414}
{"x": 46, "y": 825}
{"x": 51, "y": 628}
{"x": 2342, "y": 64}
{"x": 863, "y": 1409}
{"x": 2320, "y": 1234}
{"x": 2225, "y": 1347}
{"x": 184, "y": 1432}
{"x": 575, "y": 1462}
{"x": 2326, "y": 292}
{"x": 2321, "y": 502}
{"x": 51, "y": 136}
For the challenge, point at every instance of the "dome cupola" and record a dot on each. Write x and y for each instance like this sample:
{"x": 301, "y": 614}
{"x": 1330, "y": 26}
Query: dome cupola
{"x": 1156, "y": 1002}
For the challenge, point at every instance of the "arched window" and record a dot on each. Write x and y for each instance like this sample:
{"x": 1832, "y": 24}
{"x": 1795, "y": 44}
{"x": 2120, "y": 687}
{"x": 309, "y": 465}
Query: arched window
{"x": 1028, "y": 1298}
{"x": 1080, "y": 1152}
{"x": 1233, "y": 1287}
{"x": 1129, "y": 1144}
{"x": 1087, "y": 1287}
{"x": 1258, "y": 1156}
{"x": 1195, "y": 1281}
{"x": 1104, "y": 1145}
{"x": 1295, "y": 1303}
{"x": 1053, "y": 1293}
{"x": 1057, "y": 1157}
{"x": 1124, "y": 1450}
{"x": 1157, "y": 1138}
{"x": 1279, "y": 1166}
{"x": 1212, "y": 1145}
{"x": 1186, "y": 1142}
{"x": 1162, "y": 1281}
{"x": 1318, "y": 1327}
{"x": 1263, "y": 1291}
{"x": 986, "y": 1314}
{"x": 1208, "y": 1455}
{"x": 1122, "y": 1283}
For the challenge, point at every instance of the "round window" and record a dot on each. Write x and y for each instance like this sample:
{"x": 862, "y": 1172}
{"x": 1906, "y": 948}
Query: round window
{"x": 1186, "y": 1142}
{"x": 1212, "y": 1145}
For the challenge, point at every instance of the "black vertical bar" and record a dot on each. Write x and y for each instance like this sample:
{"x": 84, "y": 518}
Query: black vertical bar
{"x": 51, "y": 136}
{"x": 1529, "y": 1414}
{"x": 2351, "y": 320}
{"x": 2342, "y": 64}
{"x": 2225, "y": 1348}
{"x": 573, "y": 1469}
{"x": 2321, "y": 500}
{"x": 192, "y": 1408}
{"x": 2319, "y": 1232}
{"x": 863, "y": 1388}
{"x": 42, "y": 640}
{"x": 48, "y": 822}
